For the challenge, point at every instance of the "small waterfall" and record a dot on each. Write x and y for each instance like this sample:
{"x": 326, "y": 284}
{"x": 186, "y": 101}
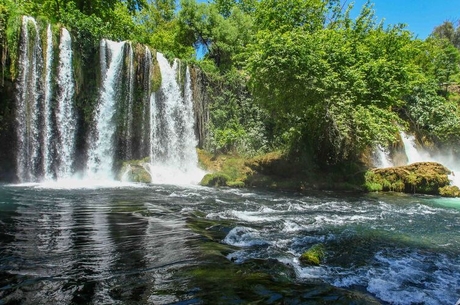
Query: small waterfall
{"x": 125, "y": 175}
{"x": 101, "y": 146}
{"x": 172, "y": 150}
{"x": 29, "y": 103}
{"x": 65, "y": 114}
{"x": 382, "y": 158}
{"x": 48, "y": 110}
{"x": 413, "y": 154}
{"x": 416, "y": 155}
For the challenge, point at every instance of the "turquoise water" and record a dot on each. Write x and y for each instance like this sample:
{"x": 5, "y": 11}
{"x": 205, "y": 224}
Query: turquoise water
{"x": 136, "y": 244}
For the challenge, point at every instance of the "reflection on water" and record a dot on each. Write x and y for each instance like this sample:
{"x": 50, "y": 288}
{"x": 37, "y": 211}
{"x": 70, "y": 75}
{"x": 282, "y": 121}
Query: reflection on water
{"x": 79, "y": 246}
{"x": 132, "y": 243}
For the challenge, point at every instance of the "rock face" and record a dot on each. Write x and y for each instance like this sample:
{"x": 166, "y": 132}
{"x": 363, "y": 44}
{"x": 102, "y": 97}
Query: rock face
{"x": 421, "y": 177}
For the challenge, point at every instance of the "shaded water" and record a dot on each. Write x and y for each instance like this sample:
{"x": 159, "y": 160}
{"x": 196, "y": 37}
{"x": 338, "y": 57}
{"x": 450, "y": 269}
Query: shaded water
{"x": 130, "y": 243}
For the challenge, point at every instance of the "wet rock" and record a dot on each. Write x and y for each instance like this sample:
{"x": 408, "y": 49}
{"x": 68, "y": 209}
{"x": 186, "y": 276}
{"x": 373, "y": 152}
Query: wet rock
{"x": 313, "y": 256}
{"x": 134, "y": 171}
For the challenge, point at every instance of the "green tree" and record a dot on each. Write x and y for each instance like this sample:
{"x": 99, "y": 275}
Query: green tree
{"x": 448, "y": 31}
{"x": 333, "y": 85}
{"x": 223, "y": 37}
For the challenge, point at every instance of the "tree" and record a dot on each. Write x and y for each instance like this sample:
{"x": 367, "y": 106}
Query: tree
{"x": 333, "y": 86}
{"x": 223, "y": 37}
{"x": 448, "y": 31}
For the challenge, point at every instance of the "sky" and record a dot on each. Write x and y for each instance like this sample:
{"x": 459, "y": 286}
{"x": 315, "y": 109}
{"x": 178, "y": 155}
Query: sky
{"x": 420, "y": 16}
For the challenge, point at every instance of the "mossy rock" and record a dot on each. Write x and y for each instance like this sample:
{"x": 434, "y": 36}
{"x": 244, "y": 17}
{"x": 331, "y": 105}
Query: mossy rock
{"x": 156, "y": 77}
{"x": 134, "y": 171}
{"x": 313, "y": 256}
{"x": 421, "y": 177}
{"x": 449, "y": 191}
{"x": 215, "y": 179}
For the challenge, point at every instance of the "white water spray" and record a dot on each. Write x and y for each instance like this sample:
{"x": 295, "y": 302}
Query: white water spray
{"x": 29, "y": 99}
{"x": 173, "y": 157}
{"x": 65, "y": 115}
{"x": 382, "y": 158}
{"x": 47, "y": 156}
{"x": 101, "y": 150}
{"x": 414, "y": 154}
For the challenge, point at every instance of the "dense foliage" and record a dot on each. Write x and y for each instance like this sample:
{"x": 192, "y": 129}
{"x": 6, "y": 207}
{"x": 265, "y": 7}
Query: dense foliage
{"x": 300, "y": 75}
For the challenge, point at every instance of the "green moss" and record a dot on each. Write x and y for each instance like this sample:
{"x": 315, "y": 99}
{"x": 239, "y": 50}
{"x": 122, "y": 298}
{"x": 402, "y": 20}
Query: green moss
{"x": 13, "y": 34}
{"x": 215, "y": 179}
{"x": 156, "y": 76}
{"x": 313, "y": 256}
{"x": 449, "y": 191}
{"x": 134, "y": 171}
{"x": 422, "y": 177}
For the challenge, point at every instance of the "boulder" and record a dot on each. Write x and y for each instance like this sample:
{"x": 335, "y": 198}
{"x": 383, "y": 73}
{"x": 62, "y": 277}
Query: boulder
{"x": 314, "y": 255}
{"x": 420, "y": 177}
{"x": 134, "y": 171}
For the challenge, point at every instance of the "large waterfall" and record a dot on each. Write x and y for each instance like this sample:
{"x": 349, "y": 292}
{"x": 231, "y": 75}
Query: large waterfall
{"x": 29, "y": 103}
{"x": 101, "y": 151}
{"x": 172, "y": 153}
{"x": 64, "y": 132}
{"x": 47, "y": 126}
{"x": 65, "y": 114}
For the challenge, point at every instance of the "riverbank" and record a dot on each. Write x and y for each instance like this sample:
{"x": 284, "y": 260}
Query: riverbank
{"x": 275, "y": 171}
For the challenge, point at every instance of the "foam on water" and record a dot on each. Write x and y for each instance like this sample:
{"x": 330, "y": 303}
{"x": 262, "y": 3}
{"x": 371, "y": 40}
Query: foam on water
{"x": 244, "y": 237}
{"x": 76, "y": 183}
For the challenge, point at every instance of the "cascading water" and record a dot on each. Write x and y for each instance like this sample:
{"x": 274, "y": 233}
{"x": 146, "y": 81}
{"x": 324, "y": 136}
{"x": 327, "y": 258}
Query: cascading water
{"x": 65, "y": 114}
{"x": 101, "y": 146}
{"x": 416, "y": 155}
{"x": 29, "y": 101}
{"x": 172, "y": 150}
{"x": 130, "y": 121}
{"x": 47, "y": 126}
{"x": 382, "y": 158}
{"x": 412, "y": 153}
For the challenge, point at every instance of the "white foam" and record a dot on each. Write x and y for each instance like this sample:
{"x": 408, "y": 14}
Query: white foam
{"x": 244, "y": 237}
{"x": 74, "y": 183}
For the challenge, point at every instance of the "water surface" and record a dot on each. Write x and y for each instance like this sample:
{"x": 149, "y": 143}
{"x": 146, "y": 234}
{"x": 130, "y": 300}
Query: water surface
{"x": 132, "y": 243}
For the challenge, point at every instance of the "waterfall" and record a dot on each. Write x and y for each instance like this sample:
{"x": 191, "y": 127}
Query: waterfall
{"x": 382, "y": 158}
{"x": 61, "y": 129}
{"x": 101, "y": 145}
{"x": 29, "y": 101}
{"x": 412, "y": 153}
{"x": 416, "y": 155}
{"x": 47, "y": 126}
{"x": 65, "y": 114}
{"x": 173, "y": 156}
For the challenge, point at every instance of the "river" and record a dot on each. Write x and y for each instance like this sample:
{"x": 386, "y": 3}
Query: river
{"x": 164, "y": 244}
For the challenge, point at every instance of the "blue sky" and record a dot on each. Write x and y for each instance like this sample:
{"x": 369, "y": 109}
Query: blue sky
{"x": 421, "y": 16}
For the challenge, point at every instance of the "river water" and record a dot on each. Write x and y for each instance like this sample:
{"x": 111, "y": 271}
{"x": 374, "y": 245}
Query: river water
{"x": 162, "y": 244}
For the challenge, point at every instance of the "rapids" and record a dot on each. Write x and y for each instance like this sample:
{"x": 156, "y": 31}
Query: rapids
{"x": 128, "y": 243}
